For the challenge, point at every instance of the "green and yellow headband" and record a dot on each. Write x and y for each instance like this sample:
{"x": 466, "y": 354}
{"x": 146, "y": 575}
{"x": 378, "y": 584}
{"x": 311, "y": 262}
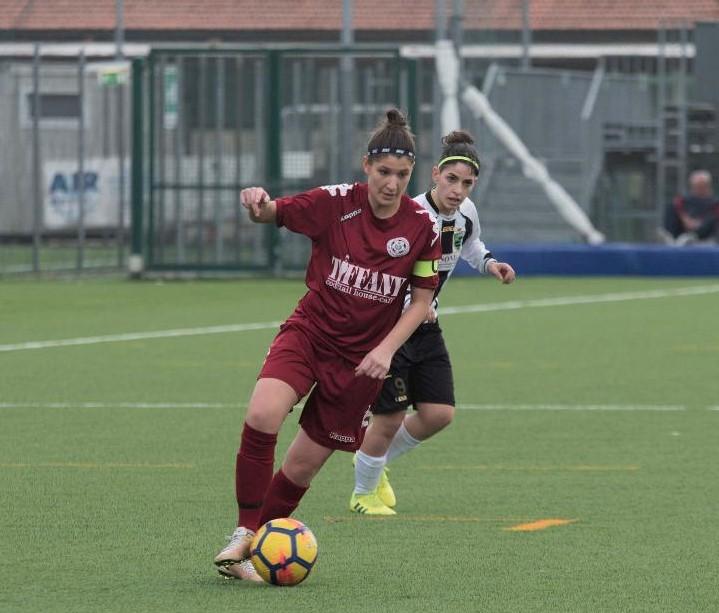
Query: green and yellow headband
{"x": 459, "y": 158}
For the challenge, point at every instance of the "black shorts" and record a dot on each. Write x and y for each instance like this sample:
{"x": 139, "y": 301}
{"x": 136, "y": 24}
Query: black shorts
{"x": 420, "y": 372}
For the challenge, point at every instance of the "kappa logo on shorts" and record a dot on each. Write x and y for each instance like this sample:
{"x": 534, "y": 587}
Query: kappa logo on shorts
{"x": 342, "y": 438}
{"x": 397, "y": 247}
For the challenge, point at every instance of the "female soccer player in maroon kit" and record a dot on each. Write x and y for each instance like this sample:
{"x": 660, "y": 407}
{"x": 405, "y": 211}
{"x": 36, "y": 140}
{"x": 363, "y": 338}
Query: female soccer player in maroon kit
{"x": 368, "y": 242}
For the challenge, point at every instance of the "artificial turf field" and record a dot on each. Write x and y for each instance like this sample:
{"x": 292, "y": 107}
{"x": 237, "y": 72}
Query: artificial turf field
{"x": 591, "y": 401}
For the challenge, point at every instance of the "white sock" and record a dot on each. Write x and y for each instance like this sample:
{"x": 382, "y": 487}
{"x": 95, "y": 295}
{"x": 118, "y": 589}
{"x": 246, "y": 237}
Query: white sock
{"x": 368, "y": 471}
{"x": 402, "y": 442}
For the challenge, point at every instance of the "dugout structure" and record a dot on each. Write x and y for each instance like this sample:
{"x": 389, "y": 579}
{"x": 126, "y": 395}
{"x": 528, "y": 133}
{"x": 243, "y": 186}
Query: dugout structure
{"x": 208, "y": 122}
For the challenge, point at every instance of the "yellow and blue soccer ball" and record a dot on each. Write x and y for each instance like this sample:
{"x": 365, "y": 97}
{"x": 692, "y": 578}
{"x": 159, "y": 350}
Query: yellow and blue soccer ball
{"x": 284, "y": 551}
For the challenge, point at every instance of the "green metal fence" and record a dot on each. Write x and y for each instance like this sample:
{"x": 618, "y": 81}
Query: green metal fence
{"x": 208, "y": 122}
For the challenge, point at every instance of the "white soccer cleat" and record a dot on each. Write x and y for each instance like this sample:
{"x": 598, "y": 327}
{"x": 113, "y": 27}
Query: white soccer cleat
{"x": 233, "y": 560}
{"x": 240, "y": 570}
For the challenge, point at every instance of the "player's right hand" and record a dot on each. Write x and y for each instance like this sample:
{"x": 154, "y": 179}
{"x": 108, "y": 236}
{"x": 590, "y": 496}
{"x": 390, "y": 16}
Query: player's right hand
{"x": 253, "y": 198}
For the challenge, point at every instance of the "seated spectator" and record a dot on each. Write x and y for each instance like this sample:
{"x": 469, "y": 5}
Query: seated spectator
{"x": 695, "y": 216}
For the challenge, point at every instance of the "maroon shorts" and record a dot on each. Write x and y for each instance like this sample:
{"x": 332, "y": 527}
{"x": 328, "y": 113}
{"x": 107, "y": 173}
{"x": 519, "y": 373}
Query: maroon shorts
{"x": 336, "y": 414}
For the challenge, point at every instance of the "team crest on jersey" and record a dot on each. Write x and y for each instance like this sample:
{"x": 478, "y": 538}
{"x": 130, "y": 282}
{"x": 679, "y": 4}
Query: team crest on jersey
{"x": 397, "y": 247}
{"x": 458, "y": 237}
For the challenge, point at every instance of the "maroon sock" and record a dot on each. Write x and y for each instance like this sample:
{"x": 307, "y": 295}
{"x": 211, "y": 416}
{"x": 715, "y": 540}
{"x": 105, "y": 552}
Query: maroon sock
{"x": 253, "y": 473}
{"x": 282, "y": 498}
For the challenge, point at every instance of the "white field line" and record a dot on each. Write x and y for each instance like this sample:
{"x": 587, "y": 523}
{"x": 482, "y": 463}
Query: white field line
{"x": 695, "y": 290}
{"x": 716, "y": 408}
{"x": 120, "y": 405}
{"x": 472, "y": 308}
{"x": 570, "y": 407}
{"x": 138, "y": 336}
{"x": 222, "y": 405}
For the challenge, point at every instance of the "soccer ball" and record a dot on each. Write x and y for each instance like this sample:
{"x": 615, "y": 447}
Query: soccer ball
{"x": 283, "y": 551}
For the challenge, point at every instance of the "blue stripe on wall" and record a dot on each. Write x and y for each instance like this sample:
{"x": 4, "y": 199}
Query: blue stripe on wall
{"x": 610, "y": 259}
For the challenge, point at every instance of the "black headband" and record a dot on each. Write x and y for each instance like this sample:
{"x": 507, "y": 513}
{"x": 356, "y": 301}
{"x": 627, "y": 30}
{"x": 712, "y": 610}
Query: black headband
{"x": 392, "y": 150}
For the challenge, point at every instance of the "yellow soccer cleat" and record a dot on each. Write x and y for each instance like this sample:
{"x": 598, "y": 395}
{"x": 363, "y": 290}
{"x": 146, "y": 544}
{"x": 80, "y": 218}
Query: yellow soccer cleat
{"x": 369, "y": 504}
{"x": 384, "y": 490}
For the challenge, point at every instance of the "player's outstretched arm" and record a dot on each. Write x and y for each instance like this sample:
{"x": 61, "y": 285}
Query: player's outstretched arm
{"x": 503, "y": 271}
{"x": 258, "y": 204}
{"x": 377, "y": 362}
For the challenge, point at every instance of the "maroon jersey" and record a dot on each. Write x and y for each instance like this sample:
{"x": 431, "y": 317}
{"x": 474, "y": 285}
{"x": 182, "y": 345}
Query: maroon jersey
{"x": 360, "y": 265}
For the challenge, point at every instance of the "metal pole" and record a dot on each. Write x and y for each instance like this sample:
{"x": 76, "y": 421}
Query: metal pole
{"x": 346, "y": 95}
{"x": 456, "y": 25}
{"x": 457, "y": 35}
{"x": 682, "y": 107}
{"x": 526, "y": 36}
{"x": 119, "y": 28}
{"x": 273, "y": 163}
{"x": 440, "y": 34}
{"x": 36, "y": 162}
{"x": 135, "y": 262}
{"x": 440, "y": 19}
{"x": 219, "y": 175}
{"x": 120, "y": 99}
{"x": 179, "y": 140}
{"x": 661, "y": 123}
{"x": 120, "y": 93}
{"x": 80, "y": 177}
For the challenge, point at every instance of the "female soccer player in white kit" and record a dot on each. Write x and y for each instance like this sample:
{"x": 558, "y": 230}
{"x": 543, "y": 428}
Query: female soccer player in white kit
{"x": 421, "y": 373}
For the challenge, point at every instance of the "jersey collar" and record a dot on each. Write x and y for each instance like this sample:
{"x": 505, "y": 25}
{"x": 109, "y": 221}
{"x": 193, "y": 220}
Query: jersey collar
{"x": 435, "y": 208}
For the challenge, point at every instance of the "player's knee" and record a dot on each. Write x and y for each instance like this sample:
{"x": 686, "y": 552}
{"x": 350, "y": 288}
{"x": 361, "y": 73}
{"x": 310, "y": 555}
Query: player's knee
{"x": 438, "y": 418}
{"x": 386, "y": 425}
{"x": 264, "y": 421}
{"x": 266, "y": 416}
{"x": 300, "y": 471}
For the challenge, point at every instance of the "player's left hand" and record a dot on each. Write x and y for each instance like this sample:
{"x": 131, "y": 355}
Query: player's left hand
{"x": 375, "y": 364}
{"x": 503, "y": 271}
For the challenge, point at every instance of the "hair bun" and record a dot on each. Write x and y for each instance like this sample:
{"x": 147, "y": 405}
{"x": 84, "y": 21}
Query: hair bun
{"x": 457, "y": 137}
{"x": 395, "y": 118}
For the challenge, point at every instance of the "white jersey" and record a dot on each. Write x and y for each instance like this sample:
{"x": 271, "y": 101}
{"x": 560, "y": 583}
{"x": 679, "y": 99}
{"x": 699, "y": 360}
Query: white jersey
{"x": 459, "y": 234}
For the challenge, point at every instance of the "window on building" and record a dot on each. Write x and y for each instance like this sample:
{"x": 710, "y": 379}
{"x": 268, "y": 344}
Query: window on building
{"x": 55, "y": 106}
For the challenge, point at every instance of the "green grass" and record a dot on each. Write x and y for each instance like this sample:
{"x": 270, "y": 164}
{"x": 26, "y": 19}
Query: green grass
{"x": 18, "y": 258}
{"x": 122, "y": 509}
